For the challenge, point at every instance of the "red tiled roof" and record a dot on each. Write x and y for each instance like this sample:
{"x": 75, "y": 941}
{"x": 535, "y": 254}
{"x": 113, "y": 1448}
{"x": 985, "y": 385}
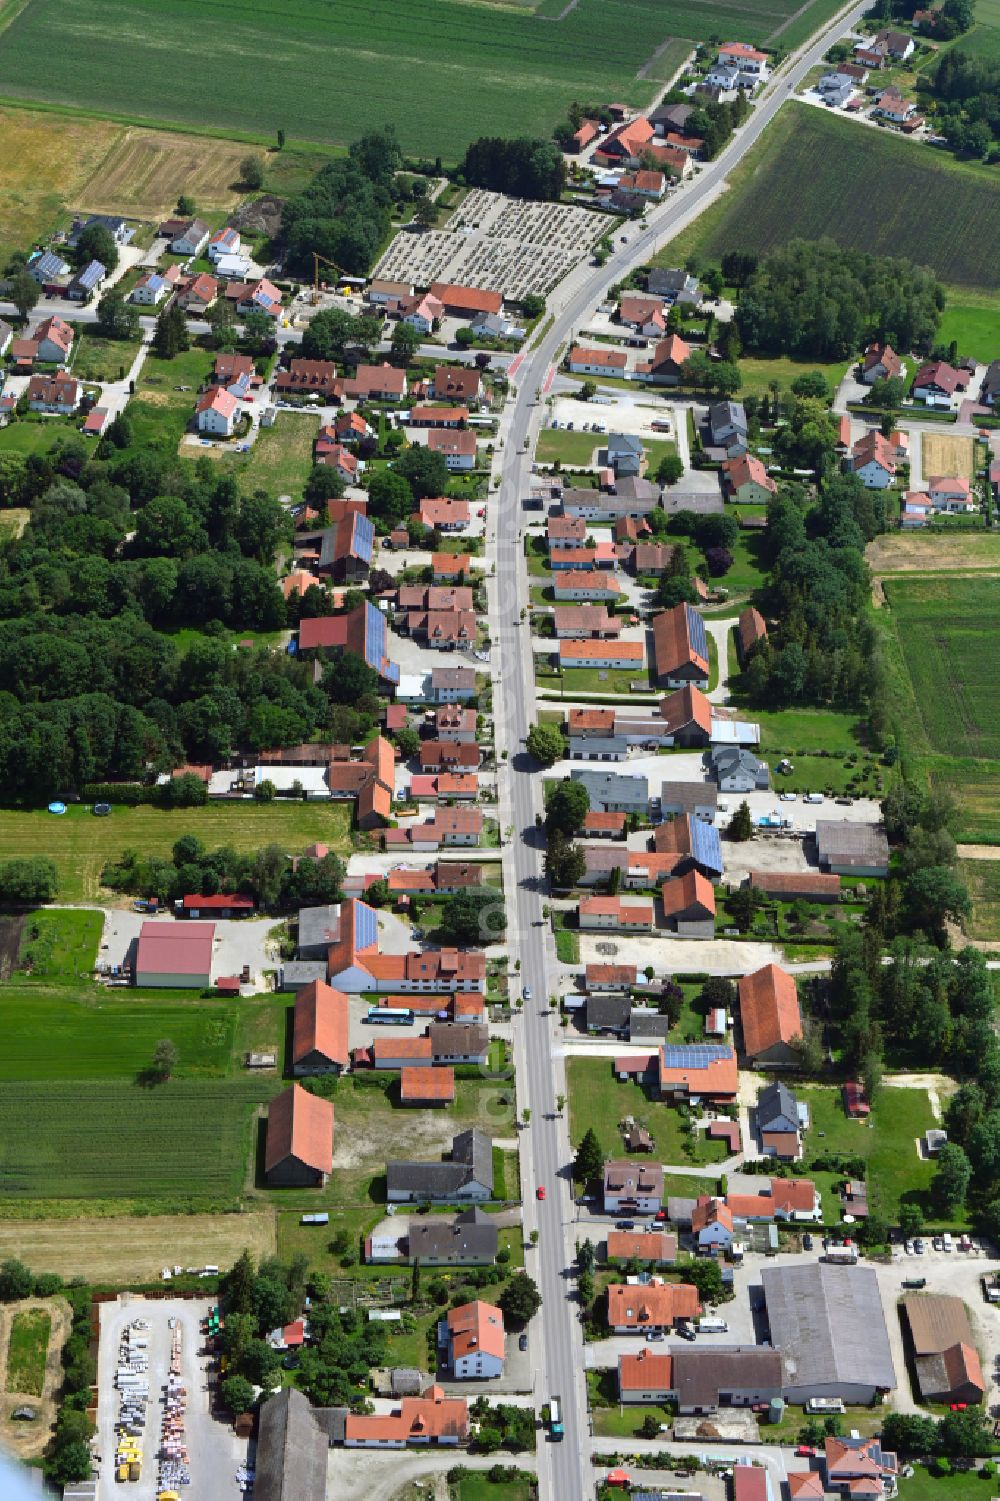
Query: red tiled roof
{"x": 769, "y": 1009}
{"x": 672, "y": 642}
{"x": 687, "y": 706}
{"x": 432, "y": 1084}
{"x": 166, "y": 948}
{"x": 476, "y": 1326}
{"x": 466, "y": 299}
{"x": 300, "y": 1125}
{"x": 634, "y": 1307}
{"x": 320, "y": 1023}
{"x": 644, "y": 1372}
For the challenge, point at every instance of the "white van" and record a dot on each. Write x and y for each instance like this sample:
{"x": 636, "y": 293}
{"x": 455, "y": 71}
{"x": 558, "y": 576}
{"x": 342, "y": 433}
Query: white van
{"x": 712, "y": 1326}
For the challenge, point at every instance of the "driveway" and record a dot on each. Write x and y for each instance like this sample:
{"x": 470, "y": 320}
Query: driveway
{"x": 720, "y": 632}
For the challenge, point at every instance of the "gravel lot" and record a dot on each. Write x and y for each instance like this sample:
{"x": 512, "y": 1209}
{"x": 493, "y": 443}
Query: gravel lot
{"x": 667, "y": 955}
{"x": 214, "y": 1450}
{"x": 247, "y": 941}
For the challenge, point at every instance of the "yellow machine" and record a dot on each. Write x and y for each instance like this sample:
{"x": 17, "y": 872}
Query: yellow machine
{"x": 317, "y": 258}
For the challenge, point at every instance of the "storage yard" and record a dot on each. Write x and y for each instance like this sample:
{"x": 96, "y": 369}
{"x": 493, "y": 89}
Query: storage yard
{"x": 493, "y": 241}
{"x": 153, "y": 1414}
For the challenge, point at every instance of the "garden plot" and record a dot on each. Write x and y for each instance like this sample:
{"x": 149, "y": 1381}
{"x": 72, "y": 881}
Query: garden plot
{"x": 505, "y": 244}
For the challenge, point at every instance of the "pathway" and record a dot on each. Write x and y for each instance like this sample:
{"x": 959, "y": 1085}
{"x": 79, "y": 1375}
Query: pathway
{"x": 720, "y": 631}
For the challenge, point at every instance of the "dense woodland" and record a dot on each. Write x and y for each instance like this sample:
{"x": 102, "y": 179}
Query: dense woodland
{"x": 968, "y": 93}
{"x": 345, "y": 212}
{"x": 814, "y": 300}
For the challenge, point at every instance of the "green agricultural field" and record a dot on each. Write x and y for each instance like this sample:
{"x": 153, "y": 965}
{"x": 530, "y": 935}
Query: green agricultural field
{"x": 982, "y": 878}
{"x": 111, "y": 1034}
{"x": 504, "y": 67}
{"x": 944, "y": 627}
{"x": 26, "y": 1351}
{"x": 58, "y": 945}
{"x": 813, "y": 174}
{"x": 81, "y": 845}
{"x": 185, "y": 1140}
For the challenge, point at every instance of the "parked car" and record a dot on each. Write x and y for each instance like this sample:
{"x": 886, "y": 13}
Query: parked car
{"x": 522, "y": 1343}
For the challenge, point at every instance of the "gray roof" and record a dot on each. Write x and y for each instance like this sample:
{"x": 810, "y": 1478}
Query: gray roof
{"x": 671, "y": 114}
{"x": 643, "y": 1024}
{"x": 634, "y": 487}
{"x": 838, "y": 841}
{"x": 318, "y": 926}
{"x": 298, "y": 972}
{"x": 473, "y": 1233}
{"x": 471, "y": 1161}
{"x": 449, "y": 1038}
{"x": 601, "y": 745}
{"x": 991, "y": 380}
{"x": 624, "y": 443}
{"x": 453, "y": 677}
{"x": 777, "y": 1109}
{"x": 406, "y": 1381}
{"x": 729, "y": 758}
{"x": 829, "y": 1323}
{"x": 700, "y": 502}
{"x": 680, "y": 1210}
{"x": 292, "y": 1451}
{"x": 89, "y": 277}
{"x": 688, "y": 795}
{"x": 700, "y": 1375}
{"x": 660, "y": 280}
{"x": 723, "y": 414}
{"x": 608, "y": 1011}
{"x": 48, "y": 264}
{"x": 611, "y": 786}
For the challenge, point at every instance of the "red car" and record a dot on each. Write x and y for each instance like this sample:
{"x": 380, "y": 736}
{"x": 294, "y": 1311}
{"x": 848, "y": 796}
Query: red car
{"x": 540, "y": 1192}
{"x": 805, "y": 1451}
{"x": 660, "y": 1215}
{"x": 959, "y": 1406}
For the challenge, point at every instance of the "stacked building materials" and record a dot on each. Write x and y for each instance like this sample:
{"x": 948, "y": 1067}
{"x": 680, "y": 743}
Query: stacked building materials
{"x": 174, "y": 1468}
{"x": 132, "y": 1383}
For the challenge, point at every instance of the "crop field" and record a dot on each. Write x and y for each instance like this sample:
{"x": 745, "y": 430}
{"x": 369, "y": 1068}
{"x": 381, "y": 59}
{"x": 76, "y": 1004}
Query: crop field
{"x": 100, "y": 1250}
{"x": 46, "y": 160}
{"x": 959, "y": 552}
{"x": 104, "y": 1139}
{"x": 982, "y": 878}
{"x": 813, "y": 174}
{"x": 509, "y": 67}
{"x": 943, "y": 453}
{"x": 26, "y": 1351}
{"x": 145, "y": 172}
{"x": 50, "y": 1036}
{"x": 81, "y": 845}
{"x": 945, "y": 628}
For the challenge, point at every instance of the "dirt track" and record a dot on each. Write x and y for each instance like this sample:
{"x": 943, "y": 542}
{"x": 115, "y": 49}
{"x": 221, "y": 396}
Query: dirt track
{"x": 23, "y": 1439}
{"x": 11, "y": 929}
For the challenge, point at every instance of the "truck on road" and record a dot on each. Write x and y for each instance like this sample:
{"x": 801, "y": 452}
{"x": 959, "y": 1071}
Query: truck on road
{"x": 556, "y": 1430}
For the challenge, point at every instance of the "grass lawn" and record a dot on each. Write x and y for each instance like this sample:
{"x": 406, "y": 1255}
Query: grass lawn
{"x": 759, "y": 373}
{"x": 982, "y": 877}
{"x": 103, "y": 359}
{"x": 29, "y": 1343}
{"x": 973, "y": 322}
{"x": 574, "y": 681}
{"x": 478, "y": 1487}
{"x": 59, "y": 945}
{"x": 963, "y": 1485}
{"x": 160, "y": 414}
{"x": 792, "y": 732}
{"x": 28, "y": 436}
{"x": 567, "y": 939}
{"x": 570, "y": 449}
{"x": 280, "y": 460}
{"x": 81, "y": 845}
{"x": 747, "y": 572}
{"x": 598, "y": 1101}
{"x": 888, "y": 1143}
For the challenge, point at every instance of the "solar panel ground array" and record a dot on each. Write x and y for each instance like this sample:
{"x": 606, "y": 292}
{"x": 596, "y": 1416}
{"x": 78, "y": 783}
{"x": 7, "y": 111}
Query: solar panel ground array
{"x": 87, "y": 1139}
{"x": 443, "y": 73}
{"x": 946, "y": 628}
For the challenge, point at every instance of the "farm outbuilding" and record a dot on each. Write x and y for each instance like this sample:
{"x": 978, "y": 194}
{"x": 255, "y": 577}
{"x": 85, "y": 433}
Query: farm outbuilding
{"x": 175, "y": 956}
{"x": 299, "y": 1151}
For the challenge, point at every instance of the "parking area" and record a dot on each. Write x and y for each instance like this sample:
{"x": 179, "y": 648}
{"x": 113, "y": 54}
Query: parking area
{"x": 213, "y": 1451}
{"x": 669, "y": 955}
{"x": 492, "y": 241}
{"x": 619, "y": 414}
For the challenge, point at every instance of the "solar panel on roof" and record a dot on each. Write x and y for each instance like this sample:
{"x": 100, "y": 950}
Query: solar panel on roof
{"x": 364, "y": 537}
{"x": 696, "y": 632}
{"x": 706, "y": 846}
{"x": 694, "y": 1055}
{"x": 365, "y": 926}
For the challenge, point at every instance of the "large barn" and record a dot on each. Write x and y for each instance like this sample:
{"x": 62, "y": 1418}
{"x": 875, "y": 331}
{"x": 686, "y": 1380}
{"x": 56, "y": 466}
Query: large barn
{"x": 299, "y": 1151}
{"x": 828, "y": 1323}
{"x": 175, "y": 956}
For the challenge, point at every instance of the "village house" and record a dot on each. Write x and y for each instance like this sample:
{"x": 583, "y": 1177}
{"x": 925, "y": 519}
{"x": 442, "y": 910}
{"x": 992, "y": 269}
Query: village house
{"x": 680, "y": 647}
{"x": 873, "y": 460}
{"x": 458, "y": 449}
{"x": 465, "y": 302}
{"x": 376, "y": 383}
{"x": 611, "y": 914}
{"x": 421, "y": 312}
{"x": 319, "y": 1030}
{"x": 745, "y": 481}
{"x": 624, "y": 146}
{"x": 689, "y": 905}
{"x": 299, "y": 1146}
{"x": 937, "y": 383}
{"x": 780, "y": 1122}
{"x": 951, "y": 493}
{"x": 656, "y": 1306}
{"x": 309, "y": 378}
{"x": 750, "y": 632}
{"x": 54, "y": 340}
{"x": 770, "y": 1016}
{"x": 728, "y": 428}
{"x": 471, "y": 1339}
{"x": 457, "y": 383}
{"x": 467, "y": 1175}
{"x": 216, "y": 412}
{"x": 666, "y": 365}
{"x": 599, "y": 362}
{"x": 633, "y": 1187}
{"x": 57, "y": 394}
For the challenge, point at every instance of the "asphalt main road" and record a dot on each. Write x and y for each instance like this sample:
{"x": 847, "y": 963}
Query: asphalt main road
{"x": 564, "y": 1469}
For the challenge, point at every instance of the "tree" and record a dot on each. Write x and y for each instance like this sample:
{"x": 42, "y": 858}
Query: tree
{"x": 588, "y": 390}
{"x": 545, "y": 742}
{"x": 116, "y": 318}
{"x": 565, "y": 861}
{"x": 258, "y": 330}
{"x": 281, "y": 140}
{"x": 24, "y": 292}
{"x": 237, "y": 1394}
{"x": 650, "y": 1426}
{"x": 239, "y": 1284}
{"x": 16, "y": 1281}
{"x": 324, "y": 483}
{"x": 95, "y": 242}
{"x": 909, "y": 1433}
{"x": 743, "y": 903}
{"x": 28, "y": 881}
{"x": 669, "y": 470}
{"x": 119, "y": 433}
{"x": 935, "y": 895}
{"x": 425, "y": 471}
{"x": 404, "y": 343}
{"x": 475, "y": 915}
{"x": 589, "y": 1160}
{"x": 567, "y": 807}
{"x": 265, "y": 791}
{"x": 812, "y": 383}
{"x": 390, "y": 499}
{"x": 964, "y": 1435}
{"x": 911, "y": 1220}
{"x": 186, "y": 206}
{"x": 951, "y": 1180}
{"x": 741, "y": 824}
{"x": 426, "y": 212}
{"x": 523, "y": 168}
{"x": 706, "y": 1276}
{"x": 165, "y": 1058}
{"x": 252, "y": 173}
{"x": 347, "y": 678}
{"x": 171, "y": 336}
{"x": 408, "y": 742}
{"x": 520, "y": 1299}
